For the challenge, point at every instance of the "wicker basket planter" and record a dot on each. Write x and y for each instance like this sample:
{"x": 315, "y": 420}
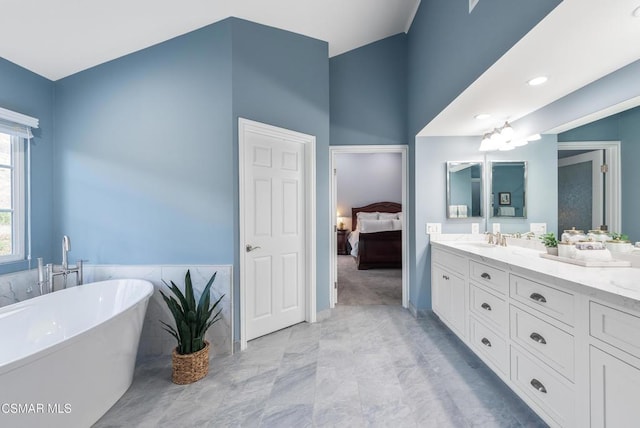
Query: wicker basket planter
{"x": 190, "y": 368}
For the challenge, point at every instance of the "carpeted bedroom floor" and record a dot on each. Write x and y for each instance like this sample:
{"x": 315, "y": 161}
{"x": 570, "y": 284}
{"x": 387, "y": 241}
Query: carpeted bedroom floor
{"x": 367, "y": 287}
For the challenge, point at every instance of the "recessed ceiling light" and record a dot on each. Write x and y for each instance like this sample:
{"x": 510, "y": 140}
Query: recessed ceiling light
{"x": 636, "y": 12}
{"x": 538, "y": 81}
{"x": 482, "y": 116}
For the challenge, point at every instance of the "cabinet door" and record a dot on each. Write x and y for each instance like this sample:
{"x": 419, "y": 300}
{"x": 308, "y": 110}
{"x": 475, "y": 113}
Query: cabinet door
{"x": 615, "y": 388}
{"x": 448, "y": 298}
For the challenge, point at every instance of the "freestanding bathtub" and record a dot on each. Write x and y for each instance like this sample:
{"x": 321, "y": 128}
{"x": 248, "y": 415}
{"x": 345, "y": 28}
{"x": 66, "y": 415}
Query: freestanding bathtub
{"x": 67, "y": 357}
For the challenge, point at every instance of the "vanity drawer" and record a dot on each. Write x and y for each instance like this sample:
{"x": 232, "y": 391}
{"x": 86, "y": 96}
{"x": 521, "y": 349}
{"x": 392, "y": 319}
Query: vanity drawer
{"x": 451, "y": 261}
{"x": 490, "y": 344}
{"x": 543, "y": 387}
{"x": 548, "y": 300}
{"x": 492, "y": 277}
{"x": 615, "y": 327}
{"x": 551, "y": 344}
{"x": 488, "y": 307}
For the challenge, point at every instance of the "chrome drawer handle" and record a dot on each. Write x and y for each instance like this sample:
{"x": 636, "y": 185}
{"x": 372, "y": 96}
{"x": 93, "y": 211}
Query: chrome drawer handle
{"x": 486, "y": 342}
{"x": 538, "y": 385}
{"x": 538, "y": 298}
{"x": 445, "y": 277}
{"x": 485, "y": 275}
{"x": 537, "y": 338}
{"x": 486, "y": 306}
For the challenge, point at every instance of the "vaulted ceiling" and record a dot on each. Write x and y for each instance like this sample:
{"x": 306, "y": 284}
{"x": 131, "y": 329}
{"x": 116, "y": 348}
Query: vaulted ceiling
{"x": 57, "y": 38}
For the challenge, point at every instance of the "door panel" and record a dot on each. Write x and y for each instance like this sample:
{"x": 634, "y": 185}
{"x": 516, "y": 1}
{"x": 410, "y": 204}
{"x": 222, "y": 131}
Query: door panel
{"x": 274, "y": 232}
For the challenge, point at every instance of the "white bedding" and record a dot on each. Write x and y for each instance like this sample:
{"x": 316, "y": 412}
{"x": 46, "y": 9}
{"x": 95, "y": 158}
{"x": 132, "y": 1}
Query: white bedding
{"x": 386, "y": 221}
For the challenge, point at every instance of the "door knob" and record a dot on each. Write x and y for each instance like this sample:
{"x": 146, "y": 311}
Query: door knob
{"x": 250, "y": 248}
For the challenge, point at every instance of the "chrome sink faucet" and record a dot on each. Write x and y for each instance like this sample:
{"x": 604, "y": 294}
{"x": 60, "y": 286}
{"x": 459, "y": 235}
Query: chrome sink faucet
{"x": 46, "y": 277}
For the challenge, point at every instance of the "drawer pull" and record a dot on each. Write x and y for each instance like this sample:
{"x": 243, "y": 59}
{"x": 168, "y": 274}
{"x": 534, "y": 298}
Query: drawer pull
{"x": 538, "y": 385}
{"x": 537, "y": 338}
{"x": 486, "y": 306}
{"x": 486, "y": 342}
{"x": 445, "y": 277}
{"x": 538, "y": 298}
{"x": 485, "y": 275}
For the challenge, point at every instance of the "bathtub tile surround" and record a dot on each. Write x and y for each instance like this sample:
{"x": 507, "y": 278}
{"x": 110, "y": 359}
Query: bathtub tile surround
{"x": 155, "y": 341}
{"x": 19, "y": 286}
{"x": 363, "y": 366}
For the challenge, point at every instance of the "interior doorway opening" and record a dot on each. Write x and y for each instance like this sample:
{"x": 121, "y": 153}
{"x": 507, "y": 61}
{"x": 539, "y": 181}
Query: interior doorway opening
{"x": 369, "y": 260}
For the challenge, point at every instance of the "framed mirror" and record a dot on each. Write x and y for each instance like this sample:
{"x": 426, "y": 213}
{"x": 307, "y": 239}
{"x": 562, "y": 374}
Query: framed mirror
{"x": 464, "y": 189}
{"x": 508, "y": 189}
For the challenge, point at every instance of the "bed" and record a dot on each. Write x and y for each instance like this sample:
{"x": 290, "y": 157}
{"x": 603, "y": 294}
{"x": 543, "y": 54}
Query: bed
{"x": 377, "y": 249}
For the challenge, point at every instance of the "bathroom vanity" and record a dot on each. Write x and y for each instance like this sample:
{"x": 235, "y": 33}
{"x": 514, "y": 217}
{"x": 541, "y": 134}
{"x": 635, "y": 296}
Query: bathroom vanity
{"x": 565, "y": 338}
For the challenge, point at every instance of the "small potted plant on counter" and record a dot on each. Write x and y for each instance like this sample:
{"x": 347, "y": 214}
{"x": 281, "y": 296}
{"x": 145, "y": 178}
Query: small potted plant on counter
{"x": 191, "y": 357}
{"x": 550, "y": 241}
{"x": 619, "y": 243}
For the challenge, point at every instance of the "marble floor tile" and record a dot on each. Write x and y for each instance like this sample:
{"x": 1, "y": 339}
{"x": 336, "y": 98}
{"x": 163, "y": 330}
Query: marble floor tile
{"x": 364, "y": 366}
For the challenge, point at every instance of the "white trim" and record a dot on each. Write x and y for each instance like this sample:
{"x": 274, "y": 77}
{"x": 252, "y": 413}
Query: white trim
{"x": 613, "y": 180}
{"x": 596, "y": 158}
{"x": 310, "y": 206}
{"x": 18, "y": 202}
{"x": 19, "y": 118}
{"x": 406, "y": 213}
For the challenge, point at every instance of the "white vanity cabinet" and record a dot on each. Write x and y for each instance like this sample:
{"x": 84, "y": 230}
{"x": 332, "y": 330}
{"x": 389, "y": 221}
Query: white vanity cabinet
{"x": 449, "y": 290}
{"x": 569, "y": 350}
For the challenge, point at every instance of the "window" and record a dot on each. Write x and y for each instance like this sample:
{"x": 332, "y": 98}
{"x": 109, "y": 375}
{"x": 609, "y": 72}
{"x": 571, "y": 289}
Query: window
{"x": 12, "y": 205}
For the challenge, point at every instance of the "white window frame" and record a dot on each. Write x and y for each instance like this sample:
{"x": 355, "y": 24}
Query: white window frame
{"x": 18, "y": 206}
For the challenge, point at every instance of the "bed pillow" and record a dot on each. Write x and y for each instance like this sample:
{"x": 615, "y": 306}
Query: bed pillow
{"x": 397, "y": 224}
{"x": 388, "y": 216}
{"x": 371, "y": 226}
{"x": 367, "y": 216}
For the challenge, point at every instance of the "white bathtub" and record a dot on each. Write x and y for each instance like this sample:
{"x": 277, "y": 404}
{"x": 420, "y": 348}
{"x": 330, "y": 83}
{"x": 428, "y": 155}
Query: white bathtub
{"x": 67, "y": 357}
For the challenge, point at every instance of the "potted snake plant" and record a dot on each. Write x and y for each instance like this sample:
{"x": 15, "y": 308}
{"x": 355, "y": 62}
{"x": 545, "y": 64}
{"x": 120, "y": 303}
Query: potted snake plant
{"x": 190, "y": 359}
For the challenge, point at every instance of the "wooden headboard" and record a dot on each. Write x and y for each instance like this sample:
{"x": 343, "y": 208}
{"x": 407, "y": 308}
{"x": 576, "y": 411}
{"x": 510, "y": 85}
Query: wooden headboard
{"x": 383, "y": 207}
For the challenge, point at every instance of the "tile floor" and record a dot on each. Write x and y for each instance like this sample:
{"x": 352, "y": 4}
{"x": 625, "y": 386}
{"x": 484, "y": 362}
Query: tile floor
{"x": 364, "y": 366}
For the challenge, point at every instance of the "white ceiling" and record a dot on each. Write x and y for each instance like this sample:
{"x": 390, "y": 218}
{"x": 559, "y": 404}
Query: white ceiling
{"x": 577, "y": 43}
{"x": 57, "y": 38}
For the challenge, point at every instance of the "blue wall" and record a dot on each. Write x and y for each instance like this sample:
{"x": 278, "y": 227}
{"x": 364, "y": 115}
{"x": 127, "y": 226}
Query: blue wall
{"x": 623, "y": 127}
{"x": 282, "y": 79}
{"x": 449, "y": 48}
{"x": 27, "y": 93}
{"x": 144, "y": 155}
{"x": 368, "y": 94}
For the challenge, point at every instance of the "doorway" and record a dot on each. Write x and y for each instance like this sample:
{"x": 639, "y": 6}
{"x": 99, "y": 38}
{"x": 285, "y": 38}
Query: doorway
{"x": 589, "y": 185}
{"x": 277, "y": 228}
{"x": 339, "y": 237}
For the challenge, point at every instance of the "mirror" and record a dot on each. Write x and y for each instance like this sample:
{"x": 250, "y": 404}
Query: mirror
{"x": 464, "y": 189}
{"x": 509, "y": 189}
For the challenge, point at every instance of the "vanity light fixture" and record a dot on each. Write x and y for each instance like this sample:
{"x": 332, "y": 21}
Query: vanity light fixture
{"x": 537, "y": 81}
{"x": 498, "y": 139}
{"x": 482, "y": 116}
{"x": 485, "y": 145}
{"x": 506, "y": 131}
{"x": 519, "y": 142}
{"x": 534, "y": 137}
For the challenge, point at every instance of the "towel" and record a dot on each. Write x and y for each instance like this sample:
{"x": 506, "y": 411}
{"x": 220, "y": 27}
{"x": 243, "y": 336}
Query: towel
{"x": 462, "y": 211}
{"x": 453, "y": 211}
{"x": 507, "y": 211}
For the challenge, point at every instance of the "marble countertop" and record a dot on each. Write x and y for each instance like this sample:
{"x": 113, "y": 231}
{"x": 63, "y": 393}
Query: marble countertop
{"x": 618, "y": 281}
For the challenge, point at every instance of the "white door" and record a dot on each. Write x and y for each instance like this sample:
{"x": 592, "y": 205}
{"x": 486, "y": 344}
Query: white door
{"x": 581, "y": 191}
{"x": 273, "y": 197}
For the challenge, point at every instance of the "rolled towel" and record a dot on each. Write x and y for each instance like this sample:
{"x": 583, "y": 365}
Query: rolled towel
{"x": 462, "y": 211}
{"x": 507, "y": 211}
{"x": 453, "y": 211}
{"x": 593, "y": 255}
